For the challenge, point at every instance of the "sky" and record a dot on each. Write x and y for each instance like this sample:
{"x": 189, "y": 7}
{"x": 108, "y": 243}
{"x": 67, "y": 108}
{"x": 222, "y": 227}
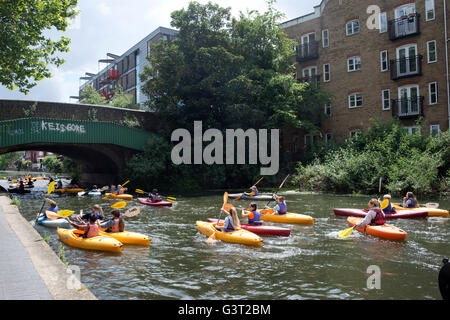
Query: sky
{"x": 114, "y": 26}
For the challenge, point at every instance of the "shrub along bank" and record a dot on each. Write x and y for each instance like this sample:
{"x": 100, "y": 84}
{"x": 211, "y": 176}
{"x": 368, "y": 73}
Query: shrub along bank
{"x": 405, "y": 162}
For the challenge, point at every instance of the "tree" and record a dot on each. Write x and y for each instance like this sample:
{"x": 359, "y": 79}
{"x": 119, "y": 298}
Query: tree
{"x": 26, "y": 52}
{"x": 89, "y": 95}
{"x": 53, "y": 164}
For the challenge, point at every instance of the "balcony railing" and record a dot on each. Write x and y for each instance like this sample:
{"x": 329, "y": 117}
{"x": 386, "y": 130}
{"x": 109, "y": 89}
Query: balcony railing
{"x": 408, "y": 108}
{"x": 308, "y": 51}
{"x": 404, "y": 26}
{"x": 311, "y": 79}
{"x": 406, "y": 67}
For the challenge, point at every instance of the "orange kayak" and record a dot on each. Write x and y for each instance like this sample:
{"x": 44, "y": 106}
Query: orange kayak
{"x": 385, "y": 231}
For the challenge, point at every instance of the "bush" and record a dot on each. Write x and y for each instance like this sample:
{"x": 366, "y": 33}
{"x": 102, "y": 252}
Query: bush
{"x": 405, "y": 163}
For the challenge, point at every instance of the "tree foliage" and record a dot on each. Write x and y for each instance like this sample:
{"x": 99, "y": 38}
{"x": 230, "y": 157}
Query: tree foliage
{"x": 25, "y": 49}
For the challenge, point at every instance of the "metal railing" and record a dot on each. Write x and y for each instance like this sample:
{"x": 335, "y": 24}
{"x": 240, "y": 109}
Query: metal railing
{"x": 308, "y": 51}
{"x": 404, "y": 26}
{"x": 408, "y": 108}
{"x": 406, "y": 67}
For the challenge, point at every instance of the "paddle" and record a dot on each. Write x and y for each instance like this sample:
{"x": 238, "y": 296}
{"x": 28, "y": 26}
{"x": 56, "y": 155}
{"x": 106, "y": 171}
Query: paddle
{"x": 171, "y": 199}
{"x": 346, "y": 232}
{"x": 132, "y": 212}
{"x": 51, "y": 187}
{"x": 281, "y": 185}
{"x": 213, "y": 236}
{"x": 61, "y": 214}
{"x": 239, "y": 198}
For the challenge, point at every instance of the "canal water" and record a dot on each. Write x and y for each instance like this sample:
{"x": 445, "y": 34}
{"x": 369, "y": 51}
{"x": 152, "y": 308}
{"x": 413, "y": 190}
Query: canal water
{"x": 313, "y": 263}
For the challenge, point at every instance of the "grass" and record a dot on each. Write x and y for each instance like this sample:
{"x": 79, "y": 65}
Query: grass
{"x": 15, "y": 202}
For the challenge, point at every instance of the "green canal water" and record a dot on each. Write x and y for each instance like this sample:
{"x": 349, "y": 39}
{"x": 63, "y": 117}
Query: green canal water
{"x": 313, "y": 263}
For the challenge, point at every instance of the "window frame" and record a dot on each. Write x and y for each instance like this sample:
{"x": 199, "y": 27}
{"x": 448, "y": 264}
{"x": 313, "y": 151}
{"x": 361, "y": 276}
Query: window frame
{"x": 354, "y": 132}
{"x": 355, "y": 95}
{"x": 325, "y": 73}
{"x": 327, "y": 107}
{"x": 411, "y": 128}
{"x": 327, "y": 38}
{"x": 384, "y": 99}
{"x": 387, "y": 61}
{"x": 436, "y": 93}
{"x": 438, "y": 130}
{"x": 435, "y": 51}
{"x": 353, "y": 28}
{"x": 433, "y": 9}
{"x": 354, "y": 63}
{"x": 385, "y": 29}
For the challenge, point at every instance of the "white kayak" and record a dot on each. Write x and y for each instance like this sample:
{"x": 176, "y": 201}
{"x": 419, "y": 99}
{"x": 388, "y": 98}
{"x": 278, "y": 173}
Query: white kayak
{"x": 53, "y": 223}
{"x": 94, "y": 193}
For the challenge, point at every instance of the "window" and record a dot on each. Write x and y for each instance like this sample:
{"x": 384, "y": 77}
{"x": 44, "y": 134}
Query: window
{"x": 433, "y": 92}
{"x": 383, "y": 22}
{"x": 353, "y": 64}
{"x": 386, "y": 99}
{"x": 326, "y": 72}
{"x": 435, "y": 130}
{"x": 354, "y": 132}
{"x": 311, "y": 139}
{"x": 328, "y": 137}
{"x": 384, "y": 61}
{"x": 413, "y": 130}
{"x": 352, "y": 27}
{"x": 431, "y": 49}
{"x": 355, "y": 100}
{"x": 325, "y": 38}
{"x": 429, "y": 10}
{"x": 328, "y": 109}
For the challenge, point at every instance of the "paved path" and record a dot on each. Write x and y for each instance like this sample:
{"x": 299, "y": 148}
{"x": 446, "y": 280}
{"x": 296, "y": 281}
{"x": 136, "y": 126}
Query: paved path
{"x": 18, "y": 277}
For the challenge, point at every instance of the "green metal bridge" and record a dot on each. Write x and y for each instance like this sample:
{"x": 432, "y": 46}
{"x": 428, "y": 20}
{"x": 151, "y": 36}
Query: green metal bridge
{"x": 101, "y": 148}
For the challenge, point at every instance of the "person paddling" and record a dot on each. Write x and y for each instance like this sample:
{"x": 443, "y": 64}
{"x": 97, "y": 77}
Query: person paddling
{"x": 91, "y": 229}
{"x": 375, "y": 217}
{"x": 53, "y": 207}
{"x": 390, "y": 208}
{"x": 254, "y": 217}
{"x": 254, "y": 192}
{"x": 115, "y": 224}
{"x": 281, "y": 207}
{"x": 154, "y": 196}
{"x": 231, "y": 222}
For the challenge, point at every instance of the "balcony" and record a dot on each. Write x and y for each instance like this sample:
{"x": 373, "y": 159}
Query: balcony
{"x": 404, "y": 26}
{"x": 308, "y": 51}
{"x": 406, "y": 67}
{"x": 408, "y": 108}
{"x": 311, "y": 79}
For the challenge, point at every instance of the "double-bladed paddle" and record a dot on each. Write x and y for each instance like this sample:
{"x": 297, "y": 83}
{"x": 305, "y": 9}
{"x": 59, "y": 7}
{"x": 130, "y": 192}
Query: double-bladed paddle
{"x": 213, "y": 236}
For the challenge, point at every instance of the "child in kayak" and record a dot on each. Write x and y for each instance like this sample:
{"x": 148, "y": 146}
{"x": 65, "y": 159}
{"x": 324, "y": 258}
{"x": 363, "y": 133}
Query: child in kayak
{"x": 90, "y": 229}
{"x": 231, "y": 222}
{"x": 410, "y": 201}
{"x": 121, "y": 190}
{"x": 281, "y": 207}
{"x": 154, "y": 196}
{"x": 390, "y": 208}
{"x": 115, "y": 224}
{"x": 375, "y": 216}
{"x": 254, "y": 217}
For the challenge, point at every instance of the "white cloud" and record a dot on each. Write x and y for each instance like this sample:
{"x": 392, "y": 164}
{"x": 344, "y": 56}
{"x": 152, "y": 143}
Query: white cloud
{"x": 116, "y": 25}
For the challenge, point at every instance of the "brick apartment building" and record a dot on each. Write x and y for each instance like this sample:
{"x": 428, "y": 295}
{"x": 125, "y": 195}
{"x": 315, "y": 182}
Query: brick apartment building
{"x": 124, "y": 70}
{"x": 392, "y": 64}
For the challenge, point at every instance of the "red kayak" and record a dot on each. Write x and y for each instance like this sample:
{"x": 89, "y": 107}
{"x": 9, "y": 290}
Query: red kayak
{"x": 262, "y": 230}
{"x": 155, "y": 204}
{"x": 361, "y": 213}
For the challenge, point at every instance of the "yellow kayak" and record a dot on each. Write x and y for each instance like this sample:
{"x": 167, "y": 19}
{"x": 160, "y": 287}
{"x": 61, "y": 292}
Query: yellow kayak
{"x": 238, "y": 236}
{"x": 119, "y": 196}
{"x": 73, "y": 238}
{"x": 432, "y": 212}
{"x": 270, "y": 216}
{"x": 68, "y": 190}
{"x": 128, "y": 237}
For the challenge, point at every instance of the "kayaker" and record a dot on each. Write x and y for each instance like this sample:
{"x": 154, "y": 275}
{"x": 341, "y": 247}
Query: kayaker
{"x": 281, "y": 207}
{"x": 115, "y": 224}
{"x": 154, "y": 196}
{"x": 59, "y": 185}
{"x": 90, "y": 229}
{"x": 72, "y": 185}
{"x": 390, "y": 208}
{"x": 121, "y": 190}
{"x": 410, "y": 201}
{"x": 231, "y": 222}
{"x": 96, "y": 211}
{"x": 254, "y": 217}
{"x": 375, "y": 217}
{"x": 53, "y": 207}
{"x": 21, "y": 186}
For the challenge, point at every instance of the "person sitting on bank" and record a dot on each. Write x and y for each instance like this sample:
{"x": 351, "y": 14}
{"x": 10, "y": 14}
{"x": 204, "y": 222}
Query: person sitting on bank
{"x": 91, "y": 229}
{"x": 154, "y": 196}
{"x": 375, "y": 216}
{"x": 115, "y": 224}
{"x": 231, "y": 222}
{"x": 254, "y": 217}
{"x": 410, "y": 201}
{"x": 281, "y": 207}
{"x": 390, "y": 208}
